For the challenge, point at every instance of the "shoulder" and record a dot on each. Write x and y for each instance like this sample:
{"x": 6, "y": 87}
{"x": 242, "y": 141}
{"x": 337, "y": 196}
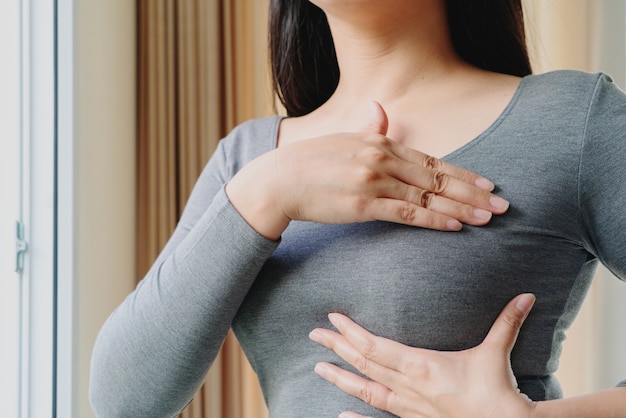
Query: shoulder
{"x": 250, "y": 140}
{"x": 571, "y": 85}
{"x": 256, "y": 127}
{"x": 254, "y": 133}
{"x": 565, "y": 97}
{"x": 566, "y": 78}
{"x": 565, "y": 84}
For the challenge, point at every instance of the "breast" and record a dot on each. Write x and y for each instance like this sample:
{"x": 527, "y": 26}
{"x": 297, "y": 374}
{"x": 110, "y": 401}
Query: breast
{"x": 423, "y": 288}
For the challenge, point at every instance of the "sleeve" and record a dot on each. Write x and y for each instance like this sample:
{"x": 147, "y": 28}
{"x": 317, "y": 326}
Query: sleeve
{"x": 602, "y": 177}
{"x": 602, "y": 181}
{"x": 153, "y": 352}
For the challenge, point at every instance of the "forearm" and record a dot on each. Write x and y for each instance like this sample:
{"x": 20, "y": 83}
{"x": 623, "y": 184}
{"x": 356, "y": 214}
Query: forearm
{"x": 606, "y": 404}
{"x": 153, "y": 352}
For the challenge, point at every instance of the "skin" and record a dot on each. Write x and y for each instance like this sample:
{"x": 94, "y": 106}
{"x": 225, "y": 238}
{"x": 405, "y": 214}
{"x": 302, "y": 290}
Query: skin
{"x": 349, "y": 162}
{"x": 479, "y": 382}
{"x": 412, "y": 382}
{"x": 354, "y": 159}
{"x": 358, "y": 177}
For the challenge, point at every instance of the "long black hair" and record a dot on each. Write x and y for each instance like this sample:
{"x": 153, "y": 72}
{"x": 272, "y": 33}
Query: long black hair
{"x": 486, "y": 33}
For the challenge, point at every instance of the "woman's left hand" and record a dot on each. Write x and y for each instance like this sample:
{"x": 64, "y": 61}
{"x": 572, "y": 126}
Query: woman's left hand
{"x": 413, "y": 382}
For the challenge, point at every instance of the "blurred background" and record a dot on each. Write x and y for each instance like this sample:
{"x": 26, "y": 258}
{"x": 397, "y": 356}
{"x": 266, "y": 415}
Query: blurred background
{"x": 110, "y": 109}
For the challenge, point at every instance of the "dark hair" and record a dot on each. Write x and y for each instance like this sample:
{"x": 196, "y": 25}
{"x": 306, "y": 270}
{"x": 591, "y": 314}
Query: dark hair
{"x": 486, "y": 33}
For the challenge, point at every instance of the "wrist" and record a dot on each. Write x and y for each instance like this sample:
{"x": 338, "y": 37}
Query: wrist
{"x": 251, "y": 192}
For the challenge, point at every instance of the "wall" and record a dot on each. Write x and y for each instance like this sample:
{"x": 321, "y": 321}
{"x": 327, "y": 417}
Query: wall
{"x": 105, "y": 169}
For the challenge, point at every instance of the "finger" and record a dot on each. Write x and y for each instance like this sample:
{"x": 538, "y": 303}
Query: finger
{"x": 377, "y": 350}
{"x": 408, "y": 213}
{"x": 344, "y": 349}
{"x": 463, "y": 212}
{"x": 349, "y": 414}
{"x": 505, "y": 329}
{"x": 419, "y": 158}
{"x": 378, "y": 122}
{"x": 370, "y": 392}
{"x": 440, "y": 183}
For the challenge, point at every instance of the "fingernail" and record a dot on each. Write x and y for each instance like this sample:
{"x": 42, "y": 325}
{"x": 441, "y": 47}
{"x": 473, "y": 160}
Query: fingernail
{"x": 334, "y": 319}
{"x": 484, "y": 184}
{"x": 498, "y": 203}
{"x": 373, "y": 108}
{"x": 321, "y": 369}
{"x": 316, "y": 336}
{"x": 453, "y": 225}
{"x": 483, "y": 215}
{"x": 525, "y": 302}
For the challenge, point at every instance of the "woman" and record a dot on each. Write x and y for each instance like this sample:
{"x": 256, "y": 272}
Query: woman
{"x": 299, "y": 217}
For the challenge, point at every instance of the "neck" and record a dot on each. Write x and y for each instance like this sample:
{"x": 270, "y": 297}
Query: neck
{"x": 386, "y": 52}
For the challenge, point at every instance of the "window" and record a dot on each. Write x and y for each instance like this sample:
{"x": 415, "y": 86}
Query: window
{"x": 27, "y": 212}
{"x": 9, "y": 209}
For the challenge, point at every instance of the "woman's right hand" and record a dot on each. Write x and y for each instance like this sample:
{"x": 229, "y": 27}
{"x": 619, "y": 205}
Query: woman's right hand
{"x": 357, "y": 177}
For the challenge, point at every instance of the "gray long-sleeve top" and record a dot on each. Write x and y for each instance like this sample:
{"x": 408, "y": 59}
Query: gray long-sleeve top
{"x": 557, "y": 153}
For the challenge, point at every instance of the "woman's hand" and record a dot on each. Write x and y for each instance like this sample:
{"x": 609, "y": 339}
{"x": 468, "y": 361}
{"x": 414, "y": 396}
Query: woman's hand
{"x": 412, "y": 382}
{"x": 358, "y": 177}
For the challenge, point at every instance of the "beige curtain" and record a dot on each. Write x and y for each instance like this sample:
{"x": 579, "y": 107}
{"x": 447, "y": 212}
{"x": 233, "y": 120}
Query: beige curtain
{"x": 202, "y": 70}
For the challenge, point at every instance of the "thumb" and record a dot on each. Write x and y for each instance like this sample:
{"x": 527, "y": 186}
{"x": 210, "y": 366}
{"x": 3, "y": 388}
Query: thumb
{"x": 378, "y": 122}
{"x": 505, "y": 329}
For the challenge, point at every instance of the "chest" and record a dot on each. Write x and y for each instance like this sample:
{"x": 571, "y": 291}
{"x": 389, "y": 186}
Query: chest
{"x": 429, "y": 288}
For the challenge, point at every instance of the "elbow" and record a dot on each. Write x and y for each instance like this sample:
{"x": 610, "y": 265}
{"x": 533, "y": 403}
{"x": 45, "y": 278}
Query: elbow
{"x": 111, "y": 405}
{"x": 114, "y": 396}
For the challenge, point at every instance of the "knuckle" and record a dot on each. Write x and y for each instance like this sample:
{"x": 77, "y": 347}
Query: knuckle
{"x": 513, "y": 320}
{"x": 360, "y": 204}
{"x": 467, "y": 177}
{"x": 374, "y": 155}
{"x": 365, "y": 394}
{"x": 465, "y": 212}
{"x": 420, "y": 370}
{"x": 426, "y": 199}
{"x": 377, "y": 140}
{"x": 432, "y": 163}
{"x": 368, "y": 348}
{"x": 407, "y": 212}
{"x": 440, "y": 182}
{"x": 361, "y": 364}
{"x": 367, "y": 177}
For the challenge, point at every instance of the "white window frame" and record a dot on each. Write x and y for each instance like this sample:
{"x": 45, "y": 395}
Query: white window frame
{"x": 10, "y": 211}
{"x": 40, "y": 353}
{"x": 37, "y": 345}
